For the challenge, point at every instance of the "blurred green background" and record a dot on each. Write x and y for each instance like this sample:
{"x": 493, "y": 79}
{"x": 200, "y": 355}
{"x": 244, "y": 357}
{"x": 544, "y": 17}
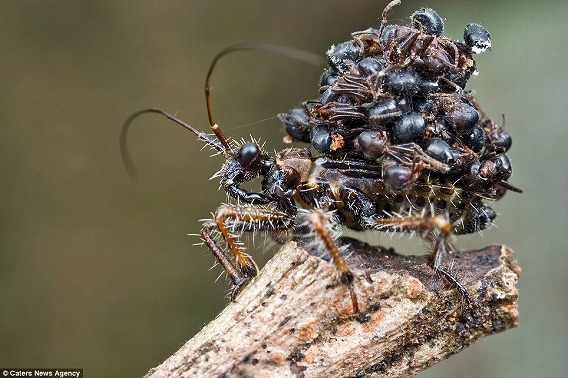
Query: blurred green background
{"x": 97, "y": 271}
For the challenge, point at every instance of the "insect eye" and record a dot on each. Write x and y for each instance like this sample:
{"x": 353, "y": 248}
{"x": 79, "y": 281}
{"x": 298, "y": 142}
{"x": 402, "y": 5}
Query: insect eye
{"x": 248, "y": 154}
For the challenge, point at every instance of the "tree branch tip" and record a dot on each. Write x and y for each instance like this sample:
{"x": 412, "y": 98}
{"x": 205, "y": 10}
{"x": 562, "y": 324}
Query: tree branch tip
{"x": 295, "y": 319}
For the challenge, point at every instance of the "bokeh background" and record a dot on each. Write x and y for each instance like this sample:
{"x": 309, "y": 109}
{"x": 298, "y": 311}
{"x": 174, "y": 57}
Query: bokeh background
{"x": 97, "y": 271}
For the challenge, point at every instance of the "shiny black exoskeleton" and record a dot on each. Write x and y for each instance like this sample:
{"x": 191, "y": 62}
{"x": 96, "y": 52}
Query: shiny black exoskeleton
{"x": 393, "y": 100}
{"x": 477, "y": 38}
{"x": 406, "y": 85}
{"x": 399, "y": 147}
{"x": 429, "y": 21}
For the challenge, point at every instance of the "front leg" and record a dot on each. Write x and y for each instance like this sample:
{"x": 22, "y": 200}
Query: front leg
{"x": 236, "y": 275}
{"x": 228, "y": 221}
{"x": 247, "y": 197}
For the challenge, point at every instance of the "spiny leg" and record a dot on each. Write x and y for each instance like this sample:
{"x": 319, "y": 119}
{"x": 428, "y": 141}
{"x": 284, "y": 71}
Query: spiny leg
{"x": 437, "y": 229}
{"x": 440, "y": 247}
{"x": 235, "y": 214}
{"x": 237, "y": 278}
{"x": 229, "y": 218}
{"x": 319, "y": 220}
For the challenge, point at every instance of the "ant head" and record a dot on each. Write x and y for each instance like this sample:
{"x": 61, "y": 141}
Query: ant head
{"x": 477, "y": 38}
{"x": 428, "y": 21}
{"x": 490, "y": 176}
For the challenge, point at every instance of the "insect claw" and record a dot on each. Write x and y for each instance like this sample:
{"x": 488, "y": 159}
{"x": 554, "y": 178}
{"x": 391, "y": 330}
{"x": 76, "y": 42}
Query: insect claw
{"x": 353, "y": 295}
{"x": 238, "y": 286}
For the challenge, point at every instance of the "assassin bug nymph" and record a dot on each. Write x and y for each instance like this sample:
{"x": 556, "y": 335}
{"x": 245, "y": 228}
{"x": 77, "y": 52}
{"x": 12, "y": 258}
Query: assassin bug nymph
{"x": 425, "y": 164}
{"x": 273, "y": 208}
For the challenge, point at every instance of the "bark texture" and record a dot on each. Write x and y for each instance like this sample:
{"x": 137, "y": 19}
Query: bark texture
{"x": 295, "y": 319}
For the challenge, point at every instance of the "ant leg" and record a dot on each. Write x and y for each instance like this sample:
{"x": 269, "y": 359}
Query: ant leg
{"x": 353, "y": 86}
{"x": 229, "y": 218}
{"x": 339, "y": 113}
{"x": 319, "y": 220}
{"x": 450, "y": 45}
{"x": 331, "y": 111}
{"x": 367, "y": 39}
{"x": 404, "y": 49}
{"x": 411, "y": 154}
{"x": 385, "y": 13}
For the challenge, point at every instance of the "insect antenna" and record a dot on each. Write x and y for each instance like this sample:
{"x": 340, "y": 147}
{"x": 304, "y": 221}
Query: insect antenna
{"x": 221, "y": 143}
{"x": 504, "y": 184}
{"x": 290, "y": 52}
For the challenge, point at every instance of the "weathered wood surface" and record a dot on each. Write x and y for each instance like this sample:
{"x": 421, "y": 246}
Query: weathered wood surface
{"x": 295, "y": 319}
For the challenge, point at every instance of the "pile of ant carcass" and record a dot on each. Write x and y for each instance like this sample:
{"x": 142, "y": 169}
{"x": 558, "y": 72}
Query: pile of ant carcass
{"x": 394, "y": 98}
{"x": 395, "y": 95}
{"x": 402, "y": 148}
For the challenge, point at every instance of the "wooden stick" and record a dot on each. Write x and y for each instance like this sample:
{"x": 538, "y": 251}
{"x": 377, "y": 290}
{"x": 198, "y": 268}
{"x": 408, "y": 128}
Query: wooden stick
{"x": 295, "y": 319}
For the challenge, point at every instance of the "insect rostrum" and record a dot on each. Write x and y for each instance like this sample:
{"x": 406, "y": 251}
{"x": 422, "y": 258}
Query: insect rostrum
{"x": 396, "y": 144}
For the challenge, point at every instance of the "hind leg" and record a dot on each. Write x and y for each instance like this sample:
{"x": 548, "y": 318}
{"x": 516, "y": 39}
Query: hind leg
{"x": 441, "y": 247}
{"x": 437, "y": 229}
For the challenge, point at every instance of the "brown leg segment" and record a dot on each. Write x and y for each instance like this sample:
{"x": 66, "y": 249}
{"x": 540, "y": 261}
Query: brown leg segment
{"x": 244, "y": 261}
{"x": 229, "y": 218}
{"x": 437, "y": 229}
{"x": 318, "y": 221}
{"x": 238, "y": 279}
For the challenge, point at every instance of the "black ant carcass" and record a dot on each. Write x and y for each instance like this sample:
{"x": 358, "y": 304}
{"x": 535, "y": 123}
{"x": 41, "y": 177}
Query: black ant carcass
{"x": 400, "y": 146}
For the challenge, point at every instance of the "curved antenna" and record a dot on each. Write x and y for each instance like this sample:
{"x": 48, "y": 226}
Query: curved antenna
{"x": 290, "y": 52}
{"x": 131, "y": 168}
{"x": 221, "y": 143}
